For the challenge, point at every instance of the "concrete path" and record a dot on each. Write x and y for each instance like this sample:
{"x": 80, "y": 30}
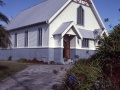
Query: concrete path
{"x": 36, "y": 77}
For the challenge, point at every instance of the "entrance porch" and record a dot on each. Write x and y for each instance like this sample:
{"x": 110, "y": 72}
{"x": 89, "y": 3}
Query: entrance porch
{"x": 67, "y": 34}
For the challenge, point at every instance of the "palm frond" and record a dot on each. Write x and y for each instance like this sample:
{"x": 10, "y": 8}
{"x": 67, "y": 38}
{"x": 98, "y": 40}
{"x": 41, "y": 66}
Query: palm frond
{"x": 3, "y": 18}
{"x": 4, "y": 38}
{"x": 2, "y": 3}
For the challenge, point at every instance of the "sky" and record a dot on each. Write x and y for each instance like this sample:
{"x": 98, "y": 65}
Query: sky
{"x": 105, "y": 8}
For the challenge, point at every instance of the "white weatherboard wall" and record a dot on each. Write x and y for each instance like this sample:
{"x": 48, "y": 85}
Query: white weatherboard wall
{"x": 12, "y": 36}
{"x": 79, "y": 44}
{"x": 92, "y": 45}
{"x": 32, "y": 37}
{"x": 70, "y": 14}
{"x": 72, "y": 43}
{"x": 57, "y": 41}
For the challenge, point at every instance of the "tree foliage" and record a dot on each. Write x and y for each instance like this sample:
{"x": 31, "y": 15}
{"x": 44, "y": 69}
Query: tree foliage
{"x": 4, "y": 38}
{"x": 4, "y": 35}
{"x": 110, "y": 46}
{"x": 109, "y": 55}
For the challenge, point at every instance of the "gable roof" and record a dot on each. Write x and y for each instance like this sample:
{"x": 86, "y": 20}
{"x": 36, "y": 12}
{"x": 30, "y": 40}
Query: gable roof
{"x": 36, "y": 14}
{"x": 65, "y": 27}
{"x": 45, "y": 12}
{"x": 91, "y": 34}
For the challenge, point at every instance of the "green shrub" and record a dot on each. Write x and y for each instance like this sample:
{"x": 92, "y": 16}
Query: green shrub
{"x": 109, "y": 55}
{"x": 23, "y": 60}
{"x": 52, "y": 62}
{"x": 109, "y": 50}
{"x": 86, "y": 72}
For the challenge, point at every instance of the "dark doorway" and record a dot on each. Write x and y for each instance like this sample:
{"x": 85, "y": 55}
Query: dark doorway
{"x": 66, "y": 44}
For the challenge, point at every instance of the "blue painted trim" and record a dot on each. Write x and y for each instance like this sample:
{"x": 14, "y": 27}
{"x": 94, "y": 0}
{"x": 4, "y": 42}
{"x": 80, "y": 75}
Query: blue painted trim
{"x": 82, "y": 53}
{"x": 45, "y": 54}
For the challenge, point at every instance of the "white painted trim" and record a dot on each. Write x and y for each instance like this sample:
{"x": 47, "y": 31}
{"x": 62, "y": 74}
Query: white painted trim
{"x": 103, "y": 33}
{"x": 50, "y": 47}
{"x": 86, "y": 49}
{"x": 36, "y": 47}
{"x": 82, "y": 48}
{"x": 57, "y": 47}
{"x": 72, "y": 24}
{"x": 97, "y": 15}
{"x": 31, "y": 47}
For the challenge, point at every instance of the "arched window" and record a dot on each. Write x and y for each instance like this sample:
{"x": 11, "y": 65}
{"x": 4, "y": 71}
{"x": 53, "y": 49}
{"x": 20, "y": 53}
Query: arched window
{"x": 80, "y": 15}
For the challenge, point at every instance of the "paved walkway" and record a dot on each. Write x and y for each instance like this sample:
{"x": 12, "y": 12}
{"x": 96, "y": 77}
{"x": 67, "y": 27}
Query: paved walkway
{"x": 35, "y": 77}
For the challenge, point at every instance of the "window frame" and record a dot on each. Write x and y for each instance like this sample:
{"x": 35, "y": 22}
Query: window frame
{"x": 85, "y": 43}
{"x": 26, "y": 39}
{"x": 39, "y": 36}
{"x": 15, "y": 40}
{"x": 80, "y": 16}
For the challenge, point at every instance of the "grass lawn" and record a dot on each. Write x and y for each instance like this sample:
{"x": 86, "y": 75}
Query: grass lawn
{"x": 8, "y": 68}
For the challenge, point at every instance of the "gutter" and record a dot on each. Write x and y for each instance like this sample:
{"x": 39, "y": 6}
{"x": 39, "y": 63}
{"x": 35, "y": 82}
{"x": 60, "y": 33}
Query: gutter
{"x": 44, "y": 22}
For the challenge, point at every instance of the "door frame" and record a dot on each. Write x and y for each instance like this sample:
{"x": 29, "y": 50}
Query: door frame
{"x": 66, "y": 44}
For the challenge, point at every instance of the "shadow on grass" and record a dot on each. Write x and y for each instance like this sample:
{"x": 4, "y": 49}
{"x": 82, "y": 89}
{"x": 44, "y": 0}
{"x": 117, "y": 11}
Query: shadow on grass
{"x": 4, "y": 69}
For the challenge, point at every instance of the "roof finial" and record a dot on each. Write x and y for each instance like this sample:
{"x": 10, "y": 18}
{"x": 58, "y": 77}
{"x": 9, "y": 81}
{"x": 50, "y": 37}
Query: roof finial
{"x": 88, "y": 1}
{"x": 80, "y": 1}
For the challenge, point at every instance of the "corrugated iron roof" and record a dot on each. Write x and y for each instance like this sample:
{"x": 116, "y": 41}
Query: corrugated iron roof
{"x": 36, "y": 14}
{"x": 62, "y": 28}
{"x": 87, "y": 33}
